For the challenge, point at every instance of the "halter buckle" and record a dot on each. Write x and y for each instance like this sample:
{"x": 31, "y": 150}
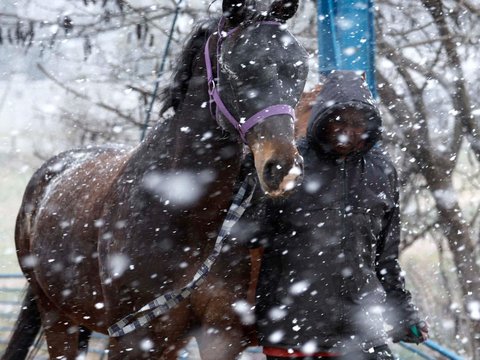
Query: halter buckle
{"x": 211, "y": 86}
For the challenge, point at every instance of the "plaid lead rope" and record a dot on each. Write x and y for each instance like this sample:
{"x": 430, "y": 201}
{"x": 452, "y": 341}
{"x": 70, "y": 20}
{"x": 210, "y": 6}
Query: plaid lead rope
{"x": 165, "y": 302}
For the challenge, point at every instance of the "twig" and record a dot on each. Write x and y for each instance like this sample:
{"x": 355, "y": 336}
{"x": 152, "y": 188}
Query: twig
{"x": 87, "y": 98}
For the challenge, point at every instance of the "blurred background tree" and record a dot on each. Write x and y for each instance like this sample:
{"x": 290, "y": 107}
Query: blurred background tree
{"x": 428, "y": 80}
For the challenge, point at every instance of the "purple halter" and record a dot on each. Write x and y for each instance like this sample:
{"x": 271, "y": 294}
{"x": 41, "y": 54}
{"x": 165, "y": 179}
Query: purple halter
{"x": 259, "y": 117}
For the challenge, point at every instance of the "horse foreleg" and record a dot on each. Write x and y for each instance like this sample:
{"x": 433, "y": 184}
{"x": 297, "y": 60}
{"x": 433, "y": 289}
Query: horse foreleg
{"x": 222, "y": 335}
{"x": 61, "y": 333}
{"x": 62, "y": 338}
{"x": 83, "y": 339}
{"x": 137, "y": 345}
{"x": 222, "y": 309}
{"x": 146, "y": 343}
{"x": 216, "y": 343}
{"x": 160, "y": 340}
{"x": 144, "y": 347}
{"x": 172, "y": 352}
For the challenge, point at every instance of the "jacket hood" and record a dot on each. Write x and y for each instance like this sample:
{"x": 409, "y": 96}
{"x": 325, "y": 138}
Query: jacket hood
{"x": 343, "y": 90}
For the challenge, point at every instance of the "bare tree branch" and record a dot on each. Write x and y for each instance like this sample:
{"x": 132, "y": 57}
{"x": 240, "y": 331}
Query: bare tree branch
{"x": 87, "y": 98}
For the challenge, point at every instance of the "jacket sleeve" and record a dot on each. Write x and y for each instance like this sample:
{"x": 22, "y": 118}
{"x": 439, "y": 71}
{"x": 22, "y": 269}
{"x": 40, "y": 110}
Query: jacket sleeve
{"x": 400, "y": 312}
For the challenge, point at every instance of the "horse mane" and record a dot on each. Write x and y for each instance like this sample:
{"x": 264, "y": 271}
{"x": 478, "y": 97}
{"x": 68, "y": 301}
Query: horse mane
{"x": 304, "y": 109}
{"x": 174, "y": 94}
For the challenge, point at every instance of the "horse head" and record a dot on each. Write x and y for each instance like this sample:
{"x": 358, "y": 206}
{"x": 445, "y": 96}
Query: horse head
{"x": 261, "y": 71}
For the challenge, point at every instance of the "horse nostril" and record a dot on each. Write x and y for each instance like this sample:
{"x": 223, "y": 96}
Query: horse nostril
{"x": 273, "y": 173}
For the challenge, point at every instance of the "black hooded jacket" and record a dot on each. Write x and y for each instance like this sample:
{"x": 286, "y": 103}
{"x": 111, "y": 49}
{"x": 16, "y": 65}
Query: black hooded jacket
{"x": 330, "y": 275}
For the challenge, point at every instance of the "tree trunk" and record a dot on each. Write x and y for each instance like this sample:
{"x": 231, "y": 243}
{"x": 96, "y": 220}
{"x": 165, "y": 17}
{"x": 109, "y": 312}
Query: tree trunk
{"x": 437, "y": 173}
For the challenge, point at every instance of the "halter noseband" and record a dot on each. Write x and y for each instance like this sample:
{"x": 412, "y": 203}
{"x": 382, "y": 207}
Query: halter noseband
{"x": 241, "y": 127}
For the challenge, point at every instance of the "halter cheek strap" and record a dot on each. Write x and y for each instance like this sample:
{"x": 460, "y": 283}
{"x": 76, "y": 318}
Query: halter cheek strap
{"x": 241, "y": 127}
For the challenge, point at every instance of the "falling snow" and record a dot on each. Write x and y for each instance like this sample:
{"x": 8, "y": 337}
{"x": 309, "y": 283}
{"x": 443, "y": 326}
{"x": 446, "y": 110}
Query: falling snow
{"x": 95, "y": 88}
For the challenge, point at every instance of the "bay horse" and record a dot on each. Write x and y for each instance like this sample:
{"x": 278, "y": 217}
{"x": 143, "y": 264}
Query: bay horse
{"x": 104, "y": 230}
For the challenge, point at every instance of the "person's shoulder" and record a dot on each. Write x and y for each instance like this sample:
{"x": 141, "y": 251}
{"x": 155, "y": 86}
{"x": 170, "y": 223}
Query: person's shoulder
{"x": 380, "y": 157}
{"x": 303, "y": 146}
{"x": 380, "y": 153}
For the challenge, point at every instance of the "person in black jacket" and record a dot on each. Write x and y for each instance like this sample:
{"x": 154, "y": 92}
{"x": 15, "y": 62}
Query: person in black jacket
{"x": 330, "y": 283}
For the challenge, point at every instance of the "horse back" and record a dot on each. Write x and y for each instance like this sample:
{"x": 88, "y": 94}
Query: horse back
{"x": 304, "y": 109}
{"x": 58, "y": 223}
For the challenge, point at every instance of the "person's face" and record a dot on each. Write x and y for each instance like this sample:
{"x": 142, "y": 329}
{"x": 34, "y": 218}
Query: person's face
{"x": 346, "y": 131}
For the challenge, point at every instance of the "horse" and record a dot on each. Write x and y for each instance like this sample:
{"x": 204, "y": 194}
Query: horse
{"x": 104, "y": 230}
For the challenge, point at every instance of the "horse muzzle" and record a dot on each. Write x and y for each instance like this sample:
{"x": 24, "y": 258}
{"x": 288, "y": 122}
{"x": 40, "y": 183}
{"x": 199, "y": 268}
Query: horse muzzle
{"x": 279, "y": 173}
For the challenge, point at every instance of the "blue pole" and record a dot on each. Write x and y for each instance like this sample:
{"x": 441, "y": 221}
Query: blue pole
{"x": 449, "y": 354}
{"x": 328, "y": 50}
{"x": 346, "y": 37}
{"x": 416, "y": 351}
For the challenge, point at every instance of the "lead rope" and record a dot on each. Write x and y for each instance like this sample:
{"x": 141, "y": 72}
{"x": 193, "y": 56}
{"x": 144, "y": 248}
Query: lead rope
{"x": 168, "y": 301}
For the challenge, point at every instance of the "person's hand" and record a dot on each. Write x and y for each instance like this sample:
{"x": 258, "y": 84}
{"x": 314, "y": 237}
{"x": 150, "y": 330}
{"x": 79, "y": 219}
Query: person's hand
{"x": 416, "y": 333}
{"x": 420, "y": 331}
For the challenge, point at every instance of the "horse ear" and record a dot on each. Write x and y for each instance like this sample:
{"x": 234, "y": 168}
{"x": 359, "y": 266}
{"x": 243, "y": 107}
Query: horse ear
{"x": 237, "y": 11}
{"x": 282, "y": 10}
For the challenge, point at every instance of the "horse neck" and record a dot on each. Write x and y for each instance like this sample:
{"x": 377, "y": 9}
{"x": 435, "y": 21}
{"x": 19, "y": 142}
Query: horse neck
{"x": 199, "y": 140}
{"x": 192, "y": 140}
